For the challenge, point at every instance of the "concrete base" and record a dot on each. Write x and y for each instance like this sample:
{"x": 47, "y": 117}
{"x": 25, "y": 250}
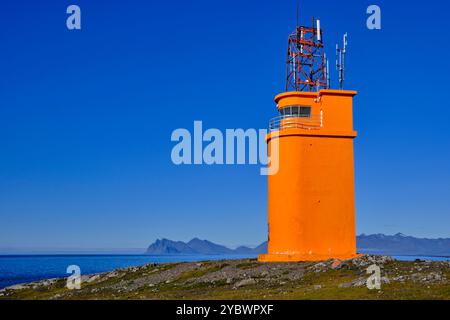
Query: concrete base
{"x": 267, "y": 257}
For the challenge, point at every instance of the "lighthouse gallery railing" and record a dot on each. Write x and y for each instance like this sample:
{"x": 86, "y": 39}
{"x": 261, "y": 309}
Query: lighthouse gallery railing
{"x": 296, "y": 122}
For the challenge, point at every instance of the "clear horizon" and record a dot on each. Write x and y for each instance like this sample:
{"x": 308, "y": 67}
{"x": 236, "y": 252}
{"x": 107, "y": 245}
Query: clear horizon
{"x": 74, "y": 250}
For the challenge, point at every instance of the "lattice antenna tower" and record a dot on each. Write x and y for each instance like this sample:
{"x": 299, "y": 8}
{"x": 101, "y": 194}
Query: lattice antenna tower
{"x": 306, "y": 65}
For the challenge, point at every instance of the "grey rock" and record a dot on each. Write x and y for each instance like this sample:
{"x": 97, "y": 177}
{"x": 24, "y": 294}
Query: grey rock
{"x": 345, "y": 285}
{"x": 359, "y": 282}
{"x": 112, "y": 274}
{"x": 92, "y": 278}
{"x": 18, "y": 287}
{"x": 355, "y": 283}
{"x": 245, "y": 282}
{"x": 319, "y": 267}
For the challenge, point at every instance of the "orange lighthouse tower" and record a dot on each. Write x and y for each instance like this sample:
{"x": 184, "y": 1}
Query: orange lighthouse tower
{"x": 311, "y": 207}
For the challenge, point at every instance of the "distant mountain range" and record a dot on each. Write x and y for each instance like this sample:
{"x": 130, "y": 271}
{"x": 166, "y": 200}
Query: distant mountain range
{"x": 397, "y": 244}
{"x": 197, "y": 246}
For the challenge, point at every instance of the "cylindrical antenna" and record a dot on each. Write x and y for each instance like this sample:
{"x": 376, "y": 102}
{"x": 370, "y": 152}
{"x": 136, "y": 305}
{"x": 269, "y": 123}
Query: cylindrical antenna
{"x": 328, "y": 75}
{"x": 327, "y": 71}
{"x": 295, "y": 72}
{"x": 301, "y": 38}
{"x": 340, "y": 61}
{"x": 319, "y": 34}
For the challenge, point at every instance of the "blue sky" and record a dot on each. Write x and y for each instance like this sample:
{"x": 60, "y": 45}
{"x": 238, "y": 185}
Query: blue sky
{"x": 86, "y": 117}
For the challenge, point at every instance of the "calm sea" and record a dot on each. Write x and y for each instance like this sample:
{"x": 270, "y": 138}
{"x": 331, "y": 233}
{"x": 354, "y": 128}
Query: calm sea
{"x": 16, "y": 269}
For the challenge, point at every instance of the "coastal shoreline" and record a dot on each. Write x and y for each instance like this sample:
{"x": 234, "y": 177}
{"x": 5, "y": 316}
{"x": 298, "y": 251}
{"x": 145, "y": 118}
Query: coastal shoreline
{"x": 249, "y": 279}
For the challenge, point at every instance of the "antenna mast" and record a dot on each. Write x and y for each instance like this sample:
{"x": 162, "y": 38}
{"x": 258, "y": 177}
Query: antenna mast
{"x": 340, "y": 61}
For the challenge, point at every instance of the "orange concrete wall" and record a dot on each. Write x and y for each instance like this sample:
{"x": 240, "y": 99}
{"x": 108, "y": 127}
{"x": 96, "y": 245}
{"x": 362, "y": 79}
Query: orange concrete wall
{"x": 311, "y": 198}
{"x": 337, "y": 104}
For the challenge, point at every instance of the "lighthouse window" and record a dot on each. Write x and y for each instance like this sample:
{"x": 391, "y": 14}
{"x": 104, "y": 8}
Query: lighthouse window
{"x": 296, "y": 111}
